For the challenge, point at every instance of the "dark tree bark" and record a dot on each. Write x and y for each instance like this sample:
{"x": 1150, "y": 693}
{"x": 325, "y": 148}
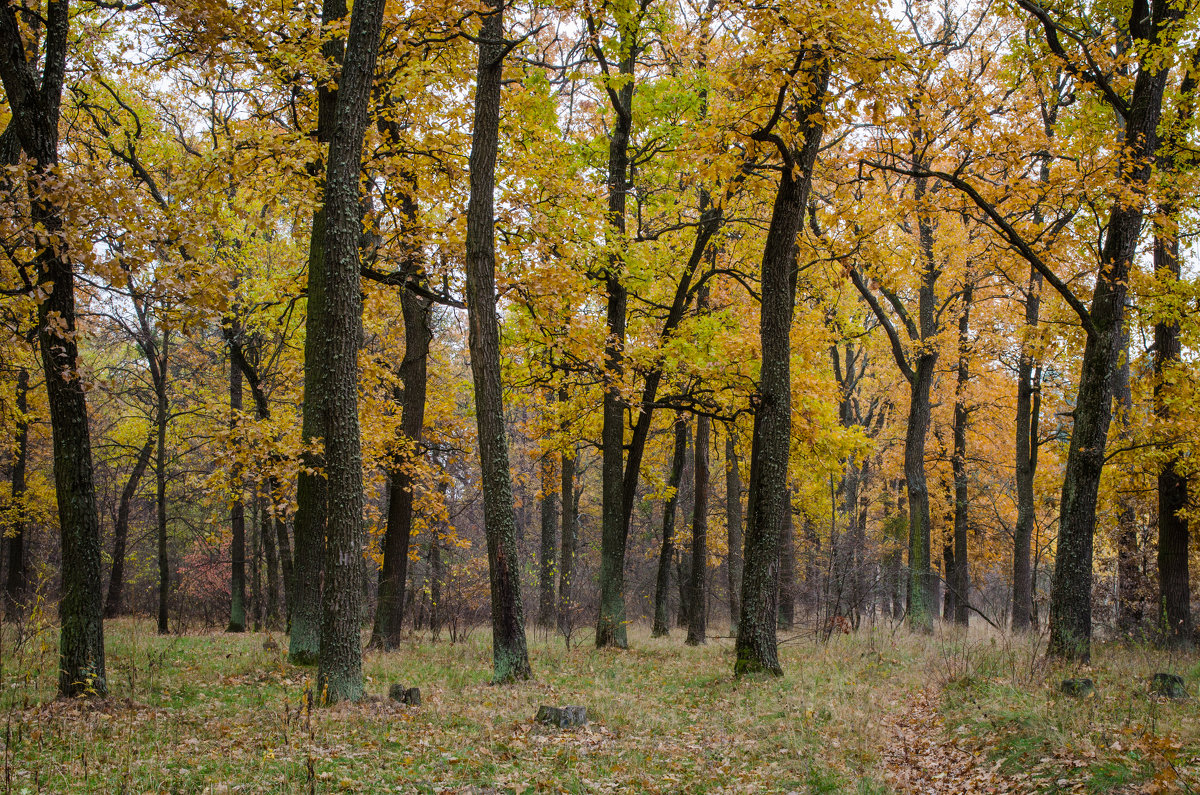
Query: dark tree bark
{"x": 17, "y": 582}
{"x": 1071, "y": 590}
{"x": 948, "y": 598}
{"x": 662, "y": 586}
{"x": 698, "y": 603}
{"x": 959, "y": 583}
{"x": 549, "y": 539}
{"x": 271, "y": 556}
{"x": 1029, "y": 401}
{"x": 510, "y": 659}
{"x": 1131, "y": 583}
{"x": 733, "y": 521}
{"x": 116, "y": 580}
{"x": 237, "y": 513}
{"x": 1028, "y": 419}
{"x": 567, "y": 556}
{"x": 610, "y": 624}
{"x": 256, "y": 554}
{"x": 339, "y": 663}
{"x": 311, "y": 488}
{"x": 768, "y": 508}
{"x": 162, "y": 415}
{"x": 1174, "y": 608}
{"x": 34, "y": 99}
{"x": 274, "y": 541}
{"x": 787, "y": 571}
{"x": 389, "y": 614}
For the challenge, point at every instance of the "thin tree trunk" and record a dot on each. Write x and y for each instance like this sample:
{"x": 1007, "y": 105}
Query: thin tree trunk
{"x": 271, "y": 555}
{"x": 339, "y": 664}
{"x": 666, "y": 555}
{"x": 1027, "y": 449}
{"x": 733, "y": 521}
{"x": 960, "y": 576}
{"x": 116, "y": 580}
{"x": 698, "y": 613}
{"x": 787, "y": 571}
{"x": 256, "y": 554}
{"x": 17, "y": 583}
{"x": 164, "y": 566}
{"x": 237, "y": 513}
{"x": 389, "y": 614}
{"x": 549, "y": 516}
{"x": 567, "y": 556}
{"x": 311, "y": 486}
{"x": 510, "y": 659}
{"x": 1131, "y": 585}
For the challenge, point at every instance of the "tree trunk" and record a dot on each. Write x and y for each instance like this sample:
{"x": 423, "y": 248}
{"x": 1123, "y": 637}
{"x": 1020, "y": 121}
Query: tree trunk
{"x": 733, "y": 521}
{"x": 666, "y": 555}
{"x": 34, "y": 100}
{"x": 698, "y": 612}
{"x": 311, "y": 485}
{"x": 237, "y": 513}
{"x": 787, "y": 571}
{"x": 389, "y": 613}
{"x": 287, "y": 581}
{"x": 1070, "y": 594}
{"x": 768, "y": 506}
{"x": 160, "y": 470}
{"x": 116, "y": 580}
{"x": 256, "y": 554}
{"x": 1027, "y": 448}
{"x": 1174, "y": 608}
{"x": 960, "y": 577}
{"x": 271, "y": 555}
{"x": 17, "y": 583}
{"x": 1174, "y": 586}
{"x": 510, "y": 660}
{"x": 567, "y": 556}
{"x": 610, "y": 624}
{"x": 1131, "y": 585}
{"x": 549, "y": 516}
{"x": 339, "y": 664}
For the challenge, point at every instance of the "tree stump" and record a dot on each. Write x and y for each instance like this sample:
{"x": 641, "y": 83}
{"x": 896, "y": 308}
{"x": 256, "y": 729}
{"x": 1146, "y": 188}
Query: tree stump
{"x": 1079, "y": 688}
{"x": 405, "y": 695}
{"x": 1168, "y": 686}
{"x": 562, "y": 717}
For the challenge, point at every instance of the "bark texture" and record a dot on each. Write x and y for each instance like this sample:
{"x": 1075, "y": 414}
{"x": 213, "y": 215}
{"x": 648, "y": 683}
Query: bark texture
{"x": 393, "y": 576}
{"x": 311, "y": 488}
{"x": 510, "y": 659}
{"x": 339, "y": 663}
{"x": 662, "y": 586}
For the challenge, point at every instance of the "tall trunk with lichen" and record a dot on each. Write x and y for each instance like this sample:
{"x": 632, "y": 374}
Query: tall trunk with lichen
{"x": 510, "y": 658}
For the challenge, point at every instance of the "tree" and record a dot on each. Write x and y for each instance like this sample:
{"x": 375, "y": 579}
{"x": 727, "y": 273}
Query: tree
{"x": 1151, "y": 31}
{"x": 311, "y": 489}
{"x": 510, "y": 659}
{"x": 802, "y": 99}
{"x": 34, "y": 101}
{"x": 339, "y": 664}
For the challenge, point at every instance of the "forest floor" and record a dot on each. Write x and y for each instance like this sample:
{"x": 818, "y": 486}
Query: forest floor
{"x": 874, "y": 712}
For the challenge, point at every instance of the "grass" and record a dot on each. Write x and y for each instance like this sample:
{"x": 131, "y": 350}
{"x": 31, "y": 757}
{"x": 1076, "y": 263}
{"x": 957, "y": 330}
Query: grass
{"x": 217, "y": 713}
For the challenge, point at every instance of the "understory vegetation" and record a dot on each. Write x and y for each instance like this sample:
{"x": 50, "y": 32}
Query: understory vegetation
{"x": 221, "y": 713}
